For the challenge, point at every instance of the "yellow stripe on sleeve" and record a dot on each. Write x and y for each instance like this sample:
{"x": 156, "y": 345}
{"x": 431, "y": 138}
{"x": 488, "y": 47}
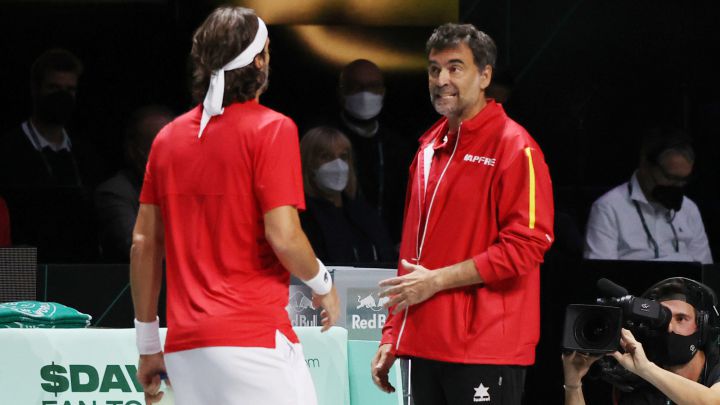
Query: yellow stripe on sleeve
{"x": 528, "y": 153}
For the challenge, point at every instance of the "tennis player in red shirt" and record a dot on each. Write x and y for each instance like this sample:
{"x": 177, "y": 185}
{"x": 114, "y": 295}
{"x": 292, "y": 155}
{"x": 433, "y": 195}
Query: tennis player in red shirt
{"x": 219, "y": 203}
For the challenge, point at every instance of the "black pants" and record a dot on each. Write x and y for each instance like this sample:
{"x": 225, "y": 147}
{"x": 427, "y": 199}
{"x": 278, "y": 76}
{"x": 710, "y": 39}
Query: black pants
{"x": 440, "y": 383}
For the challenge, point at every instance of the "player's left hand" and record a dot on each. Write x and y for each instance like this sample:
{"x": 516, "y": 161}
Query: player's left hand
{"x": 412, "y": 288}
{"x": 634, "y": 358}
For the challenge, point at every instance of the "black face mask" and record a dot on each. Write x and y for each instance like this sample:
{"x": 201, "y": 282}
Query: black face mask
{"x": 56, "y": 108}
{"x": 679, "y": 349}
{"x": 670, "y": 197}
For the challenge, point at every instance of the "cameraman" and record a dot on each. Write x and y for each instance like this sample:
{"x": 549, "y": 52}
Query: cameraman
{"x": 685, "y": 372}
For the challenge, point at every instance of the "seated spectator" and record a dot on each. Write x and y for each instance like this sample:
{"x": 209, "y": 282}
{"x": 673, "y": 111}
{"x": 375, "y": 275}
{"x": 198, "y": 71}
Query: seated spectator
{"x": 42, "y": 172}
{"x": 341, "y": 226}
{"x": 116, "y": 200}
{"x": 40, "y": 148}
{"x": 649, "y": 218}
{"x": 4, "y": 225}
{"x": 382, "y": 154}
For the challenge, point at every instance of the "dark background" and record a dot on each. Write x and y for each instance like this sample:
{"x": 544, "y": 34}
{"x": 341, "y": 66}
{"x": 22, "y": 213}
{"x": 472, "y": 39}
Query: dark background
{"x": 589, "y": 75}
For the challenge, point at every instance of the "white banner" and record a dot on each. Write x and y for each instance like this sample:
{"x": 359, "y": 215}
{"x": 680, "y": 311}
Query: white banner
{"x": 98, "y": 366}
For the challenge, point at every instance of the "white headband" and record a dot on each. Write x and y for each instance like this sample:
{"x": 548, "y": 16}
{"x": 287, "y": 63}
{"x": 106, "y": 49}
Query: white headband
{"x": 212, "y": 105}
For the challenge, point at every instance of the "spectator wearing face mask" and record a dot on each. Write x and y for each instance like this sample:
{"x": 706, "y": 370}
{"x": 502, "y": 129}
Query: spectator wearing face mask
{"x": 381, "y": 154}
{"x": 649, "y": 218}
{"x": 341, "y": 226}
{"x": 40, "y": 149}
{"x": 45, "y": 175}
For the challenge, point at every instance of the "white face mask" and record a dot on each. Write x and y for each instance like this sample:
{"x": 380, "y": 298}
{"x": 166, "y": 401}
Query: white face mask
{"x": 364, "y": 105}
{"x": 333, "y": 175}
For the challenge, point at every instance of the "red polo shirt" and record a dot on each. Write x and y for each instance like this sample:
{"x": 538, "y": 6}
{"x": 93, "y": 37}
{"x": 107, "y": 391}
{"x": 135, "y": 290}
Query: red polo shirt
{"x": 225, "y": 286}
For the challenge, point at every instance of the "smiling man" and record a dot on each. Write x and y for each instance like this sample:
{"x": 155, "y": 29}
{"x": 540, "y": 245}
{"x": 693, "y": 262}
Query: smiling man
{"x": 478, "y": 220}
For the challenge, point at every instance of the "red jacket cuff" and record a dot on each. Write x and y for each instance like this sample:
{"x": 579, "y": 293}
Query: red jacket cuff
{"x": 483, "y": 266}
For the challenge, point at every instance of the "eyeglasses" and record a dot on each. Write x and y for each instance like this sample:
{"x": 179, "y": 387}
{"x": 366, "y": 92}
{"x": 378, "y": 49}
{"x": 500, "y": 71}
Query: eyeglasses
{"x": 670, "y": 178}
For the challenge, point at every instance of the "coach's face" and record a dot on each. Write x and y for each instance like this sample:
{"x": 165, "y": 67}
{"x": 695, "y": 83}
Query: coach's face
{"x": 457, "y": 86}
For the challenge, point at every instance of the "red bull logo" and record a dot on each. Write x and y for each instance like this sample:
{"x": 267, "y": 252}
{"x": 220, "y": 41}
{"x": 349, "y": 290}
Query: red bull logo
{"x": 301, "y": 309}
{"x": 369, "y": 303}
{"x": 299, "y": 302}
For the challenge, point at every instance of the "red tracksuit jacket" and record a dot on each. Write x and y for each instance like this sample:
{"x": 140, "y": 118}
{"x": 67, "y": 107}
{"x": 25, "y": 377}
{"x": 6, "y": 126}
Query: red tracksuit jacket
{"x": 493, "y": 204}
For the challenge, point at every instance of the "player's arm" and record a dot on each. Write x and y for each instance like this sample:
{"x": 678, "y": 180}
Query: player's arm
{"x": 288, "y": 241}
{"x": 146, "y": 255}
{"x": 291, "y": 246}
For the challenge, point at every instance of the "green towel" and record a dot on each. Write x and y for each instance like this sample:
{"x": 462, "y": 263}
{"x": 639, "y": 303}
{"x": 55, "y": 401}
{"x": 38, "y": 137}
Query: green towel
{"x": 22, "y": 325}
{"x": 41, "y": 315}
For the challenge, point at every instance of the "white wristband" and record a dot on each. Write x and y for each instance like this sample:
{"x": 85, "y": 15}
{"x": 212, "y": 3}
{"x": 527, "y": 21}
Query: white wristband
{"x": 321, "y": 284}
{"x": 147, "y": 336}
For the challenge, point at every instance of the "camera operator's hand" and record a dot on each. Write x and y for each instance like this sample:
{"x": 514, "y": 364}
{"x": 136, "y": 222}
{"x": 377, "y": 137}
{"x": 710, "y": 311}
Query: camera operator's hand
{"x": 576, "y": 365}
{"x": 634, "y": 358}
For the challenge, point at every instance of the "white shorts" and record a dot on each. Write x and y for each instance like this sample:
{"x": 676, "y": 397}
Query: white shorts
{"x": 241, "y": 375}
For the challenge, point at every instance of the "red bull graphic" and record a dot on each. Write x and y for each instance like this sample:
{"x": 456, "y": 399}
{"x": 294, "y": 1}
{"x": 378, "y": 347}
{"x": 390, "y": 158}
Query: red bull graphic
{"x": 300, "y": 307}
{"x": 365, "y": 314}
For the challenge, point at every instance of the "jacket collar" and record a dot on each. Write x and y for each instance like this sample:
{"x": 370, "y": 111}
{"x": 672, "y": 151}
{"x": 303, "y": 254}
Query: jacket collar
{"x": 440, "y": 128}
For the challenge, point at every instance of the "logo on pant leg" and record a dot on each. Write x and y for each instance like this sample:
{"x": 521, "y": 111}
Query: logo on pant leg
{"x": 481, "y": 394}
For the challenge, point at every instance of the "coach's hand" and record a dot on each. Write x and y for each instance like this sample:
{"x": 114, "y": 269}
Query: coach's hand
{"x": 330, "y": 303}
{"x": 416, "y": 286}
{"x": 149, "y": 369}
{"x": 380, "y": 367}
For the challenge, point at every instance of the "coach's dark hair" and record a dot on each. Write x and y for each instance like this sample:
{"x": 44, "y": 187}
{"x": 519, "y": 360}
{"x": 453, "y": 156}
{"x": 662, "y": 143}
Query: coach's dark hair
{"x": 657, "y": 141}
{"x": 225, "y": 33}
{"x": 54, "y": 60}
{"x": 450, "y": 35}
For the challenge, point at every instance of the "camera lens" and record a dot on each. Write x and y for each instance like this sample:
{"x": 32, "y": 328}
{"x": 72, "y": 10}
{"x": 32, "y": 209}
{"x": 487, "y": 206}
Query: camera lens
{"x": 594, "y": 329}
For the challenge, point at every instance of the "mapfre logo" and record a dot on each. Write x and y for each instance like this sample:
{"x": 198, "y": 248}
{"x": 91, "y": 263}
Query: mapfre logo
{"x": 483, "y": 160}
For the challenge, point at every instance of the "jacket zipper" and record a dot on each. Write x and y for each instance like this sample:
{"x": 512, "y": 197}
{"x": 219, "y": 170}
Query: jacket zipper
{"x": 418, "y": 248}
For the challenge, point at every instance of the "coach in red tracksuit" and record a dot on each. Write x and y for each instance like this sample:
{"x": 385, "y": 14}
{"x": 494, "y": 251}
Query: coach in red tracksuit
{"x": 478, "y": 220}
